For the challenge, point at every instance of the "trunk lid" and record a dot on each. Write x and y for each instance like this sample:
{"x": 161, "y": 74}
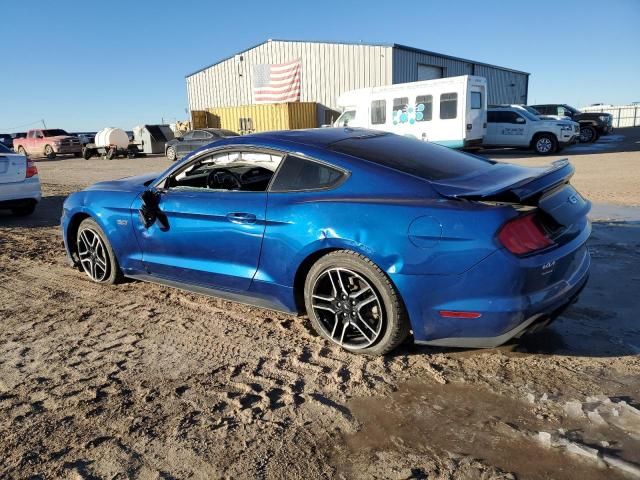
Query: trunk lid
{"x": 546, "y": 188}
{"x": 13, "y": 168}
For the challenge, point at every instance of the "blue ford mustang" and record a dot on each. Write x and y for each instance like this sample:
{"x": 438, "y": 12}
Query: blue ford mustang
{"x": 374, "y": 236}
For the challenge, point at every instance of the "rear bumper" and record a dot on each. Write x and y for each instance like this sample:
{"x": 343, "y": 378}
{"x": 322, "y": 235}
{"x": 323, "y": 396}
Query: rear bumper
{"x": 20, "y": 193}
{"x": 512, "y": 296}
{"x": 471, "y": 143}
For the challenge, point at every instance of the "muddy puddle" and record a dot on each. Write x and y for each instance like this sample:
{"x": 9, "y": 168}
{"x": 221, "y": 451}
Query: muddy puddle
{"x": 468, "y": 421}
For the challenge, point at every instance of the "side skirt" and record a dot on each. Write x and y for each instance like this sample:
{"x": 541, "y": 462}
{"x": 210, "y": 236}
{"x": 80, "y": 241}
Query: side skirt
{"x": 250, "y": 298}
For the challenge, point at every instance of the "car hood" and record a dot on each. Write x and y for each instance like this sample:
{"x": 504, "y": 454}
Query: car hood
{"x": 127, "y": 184}
{"x": 60, "y": 137}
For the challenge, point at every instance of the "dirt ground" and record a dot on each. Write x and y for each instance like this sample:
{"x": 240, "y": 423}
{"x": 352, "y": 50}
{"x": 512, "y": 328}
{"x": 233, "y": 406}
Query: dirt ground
{"x": 144, "y": 381}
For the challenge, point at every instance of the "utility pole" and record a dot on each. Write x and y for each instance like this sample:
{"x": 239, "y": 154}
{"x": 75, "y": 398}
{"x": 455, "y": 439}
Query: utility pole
{"x": 44, "y": 125}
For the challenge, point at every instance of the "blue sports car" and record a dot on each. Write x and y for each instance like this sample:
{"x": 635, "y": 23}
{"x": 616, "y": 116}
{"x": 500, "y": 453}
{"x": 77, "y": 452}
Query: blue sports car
{"x": 374, "y": 236}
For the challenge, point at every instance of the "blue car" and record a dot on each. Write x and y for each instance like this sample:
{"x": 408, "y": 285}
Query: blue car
{"x": 372, "y": 235}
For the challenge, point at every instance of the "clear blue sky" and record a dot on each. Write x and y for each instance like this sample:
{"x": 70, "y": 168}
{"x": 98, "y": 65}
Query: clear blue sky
{"x": 84, "y": 65}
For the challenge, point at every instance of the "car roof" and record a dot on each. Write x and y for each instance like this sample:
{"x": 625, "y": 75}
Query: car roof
{"x": 317, "y": 137}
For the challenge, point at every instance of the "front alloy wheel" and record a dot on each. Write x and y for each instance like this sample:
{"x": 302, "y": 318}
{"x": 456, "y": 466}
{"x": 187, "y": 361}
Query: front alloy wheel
{"x": 95, "y": 254}
{"x": 587, "y": 134}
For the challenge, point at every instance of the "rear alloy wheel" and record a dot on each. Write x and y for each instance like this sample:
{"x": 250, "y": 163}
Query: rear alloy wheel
{"x": 588, "y": 134}
{"x": 171, "y": 154}
{"x": 95, "y": 253}
{"x": 49, "y": 152}
{"x": 352, "y": 303}
{"x": 545, "y": 144}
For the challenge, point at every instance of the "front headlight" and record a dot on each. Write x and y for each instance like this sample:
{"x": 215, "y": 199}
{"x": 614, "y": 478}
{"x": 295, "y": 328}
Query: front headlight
{"x": 604, "y": 118}
{"x": 565, "y": 128}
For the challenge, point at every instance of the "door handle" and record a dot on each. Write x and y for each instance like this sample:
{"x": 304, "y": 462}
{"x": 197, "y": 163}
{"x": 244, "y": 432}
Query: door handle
{"x": 241, "y": 217}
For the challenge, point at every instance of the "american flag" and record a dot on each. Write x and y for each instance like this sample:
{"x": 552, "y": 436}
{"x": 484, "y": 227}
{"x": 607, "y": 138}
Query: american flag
{"x": 277, "y": 83}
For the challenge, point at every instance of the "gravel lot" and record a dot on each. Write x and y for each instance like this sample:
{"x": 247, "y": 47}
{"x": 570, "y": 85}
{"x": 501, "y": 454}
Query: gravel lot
{"x": 143, "y": 381}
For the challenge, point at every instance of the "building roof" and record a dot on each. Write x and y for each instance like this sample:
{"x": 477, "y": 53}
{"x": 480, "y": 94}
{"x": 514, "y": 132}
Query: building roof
{"x": 369, "y": 44}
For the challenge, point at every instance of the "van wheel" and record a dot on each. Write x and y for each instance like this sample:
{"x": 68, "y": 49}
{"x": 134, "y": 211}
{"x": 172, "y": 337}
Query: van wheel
{"x": 352, "y": 303}
{"x": 49, "y": 152}
{"x": 545, "y": 144}
{"x": 588, "y": 134}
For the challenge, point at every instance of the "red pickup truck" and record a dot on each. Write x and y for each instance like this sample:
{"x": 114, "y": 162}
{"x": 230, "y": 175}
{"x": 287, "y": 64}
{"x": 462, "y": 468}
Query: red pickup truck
{"x": 48, "y": 143}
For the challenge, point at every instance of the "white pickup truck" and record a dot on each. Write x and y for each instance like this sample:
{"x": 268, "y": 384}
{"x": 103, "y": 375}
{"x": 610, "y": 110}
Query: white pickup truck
{"x": 514, "y": 126}
{"x": 19, "y": 183}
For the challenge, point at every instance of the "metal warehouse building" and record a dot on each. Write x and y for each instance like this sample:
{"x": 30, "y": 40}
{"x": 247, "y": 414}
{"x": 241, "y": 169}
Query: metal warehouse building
{"x": 329, "y": 69}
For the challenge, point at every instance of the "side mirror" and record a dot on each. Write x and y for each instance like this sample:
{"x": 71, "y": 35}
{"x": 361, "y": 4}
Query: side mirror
{"x": 520, "y": 120}
{"x": 150, "y": 210}
{"x": 40, "y": 136}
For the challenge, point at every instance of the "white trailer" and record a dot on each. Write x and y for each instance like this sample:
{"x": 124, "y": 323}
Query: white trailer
{"x": 449, "y": 111}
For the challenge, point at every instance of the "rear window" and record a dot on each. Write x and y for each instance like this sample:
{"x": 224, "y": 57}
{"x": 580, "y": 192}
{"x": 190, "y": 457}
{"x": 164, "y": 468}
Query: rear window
{"x": 476, "y": 100}
{"x": 300, "y": 174}
{"x": 412, "y": 156}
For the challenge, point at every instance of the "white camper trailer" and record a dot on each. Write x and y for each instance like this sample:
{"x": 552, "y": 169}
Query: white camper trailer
{"x": 450, "y": 111}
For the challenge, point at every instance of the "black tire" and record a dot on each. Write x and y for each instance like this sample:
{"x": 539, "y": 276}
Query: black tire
{"x": 545, "y": 144}
{"x": 111, "y": 153}
{"x": 87, "y": 153}
{"x": 172, "y": 154}
{"x": 394, "y": 323}
{"x": 112, "y": 272}
{"x": 49, "y": 152}
{"x": 25, "y": 210}
{"x": 588, "y": 134}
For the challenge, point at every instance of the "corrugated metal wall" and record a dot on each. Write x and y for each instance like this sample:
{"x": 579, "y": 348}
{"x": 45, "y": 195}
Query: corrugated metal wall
{"x": 328, "y": 69}
{"x": 503, "y": 86}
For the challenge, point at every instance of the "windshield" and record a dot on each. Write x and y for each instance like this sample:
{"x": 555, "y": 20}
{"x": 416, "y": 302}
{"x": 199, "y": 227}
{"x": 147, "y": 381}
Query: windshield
{"x": 54, "y": 132}
{"x": 412, "y": 156}
{"x": 530, "y": 116}
{"x": 531, "y": 110}
{"x": 571, "y": 109}
{"x": 344, "y": 119}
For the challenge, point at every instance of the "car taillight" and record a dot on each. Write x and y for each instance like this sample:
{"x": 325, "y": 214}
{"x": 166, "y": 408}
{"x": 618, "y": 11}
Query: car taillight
{"x": 523, "y": 235}
{"x": 32, "y": 170}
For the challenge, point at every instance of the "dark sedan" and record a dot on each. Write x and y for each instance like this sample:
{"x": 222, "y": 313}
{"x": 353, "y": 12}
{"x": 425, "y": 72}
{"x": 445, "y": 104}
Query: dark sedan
{"x": 194, "y": 139}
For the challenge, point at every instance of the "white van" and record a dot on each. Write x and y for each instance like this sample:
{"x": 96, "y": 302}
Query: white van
{"x": 450, "y": 111}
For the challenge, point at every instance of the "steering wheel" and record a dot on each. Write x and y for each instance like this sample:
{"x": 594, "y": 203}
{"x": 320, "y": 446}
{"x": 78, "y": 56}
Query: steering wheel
{"x": 223, "y": 178}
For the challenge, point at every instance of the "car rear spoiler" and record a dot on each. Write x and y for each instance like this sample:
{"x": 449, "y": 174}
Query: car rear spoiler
{"x": 507, "y": 182}
{"x": 545, "y": 187}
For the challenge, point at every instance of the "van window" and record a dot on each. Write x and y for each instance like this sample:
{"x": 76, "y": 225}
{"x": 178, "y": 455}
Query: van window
{"x": 448, "y": 106}
{"x": 476, "y": 100}
{"x": 400, "y": 103}
{"x": 424, "y": 108}
{"x": 378, "y": 112}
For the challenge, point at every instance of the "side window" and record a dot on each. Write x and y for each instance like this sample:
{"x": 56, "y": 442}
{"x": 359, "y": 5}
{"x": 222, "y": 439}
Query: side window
{"x": 476, "y": 100}
{"x": 199, "y": 135}
{"x": 188, "y": 136}
{"x": 33, "y": 134}
{"x": 345, "y": 118}
{"x": 493, "y": 117}
{"x": 378, "y": 112}
{"x": 301, "y": 174}
{"x": 400, "y": 104}
{"x": 424, "y": 108}
{"x": 513, "y": 117}
{"x": 249, "y": 171}
{"x": 448, "y": 106}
